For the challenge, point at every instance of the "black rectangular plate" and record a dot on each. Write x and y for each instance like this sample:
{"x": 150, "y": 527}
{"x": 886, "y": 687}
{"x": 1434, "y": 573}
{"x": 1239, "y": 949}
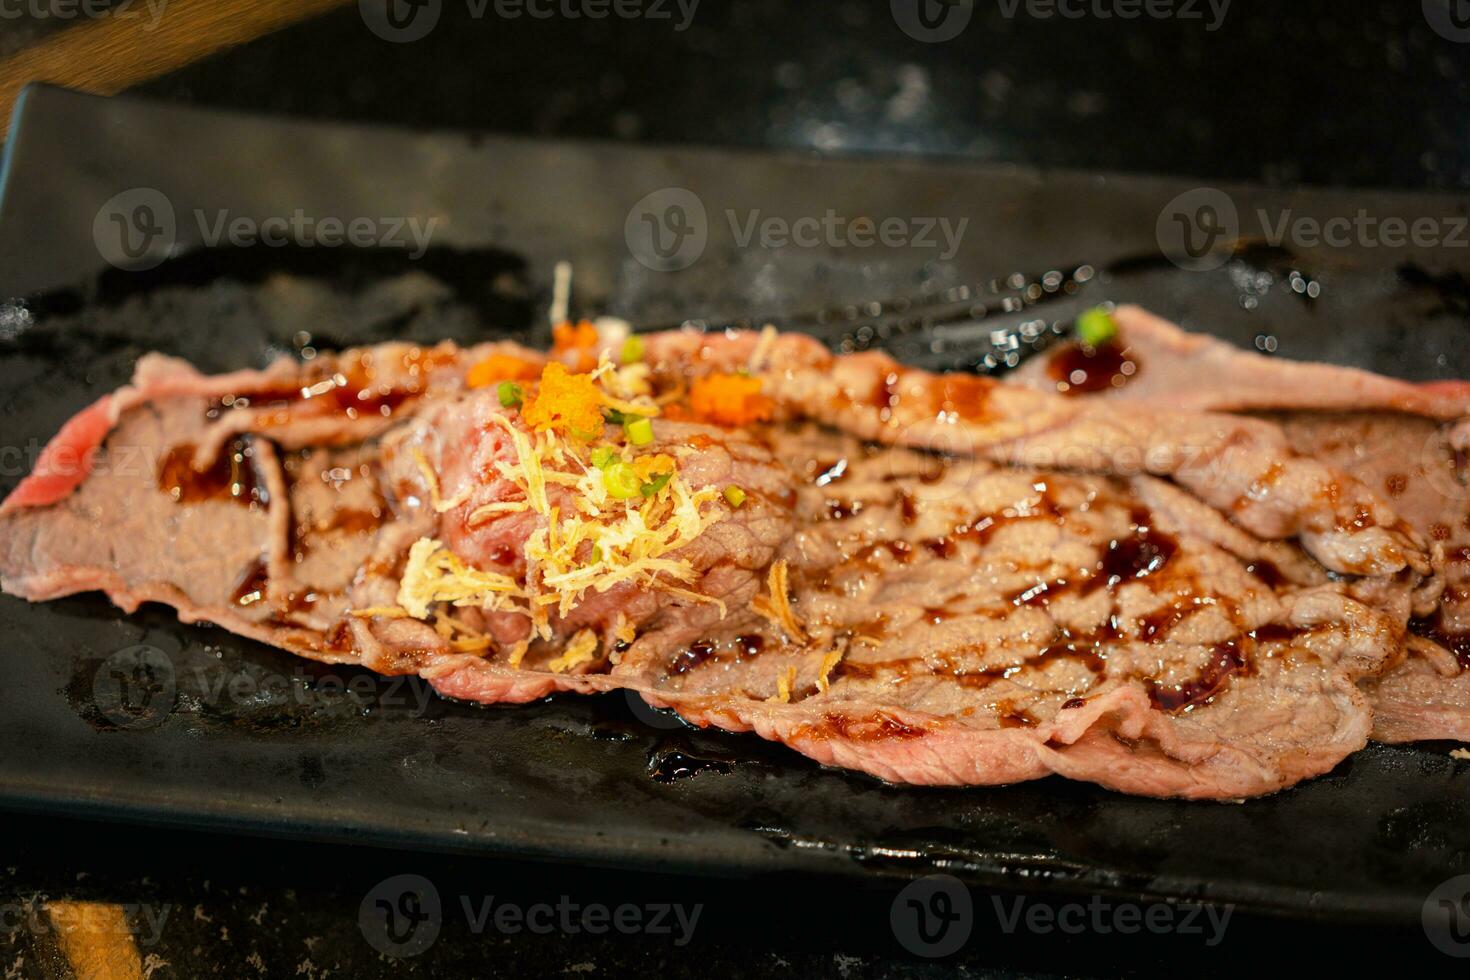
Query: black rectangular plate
{"x": 257, "y": 742}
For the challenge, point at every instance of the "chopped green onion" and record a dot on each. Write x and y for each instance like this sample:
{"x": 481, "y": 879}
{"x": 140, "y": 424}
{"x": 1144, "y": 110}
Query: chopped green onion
{"x": 655, "y": 485}
{"x": 597, "y": 552}
{"x": 1096, "y": 326}
{"x": 734, "y": 495}
{"x": 603, "y": 456}
{"x": 639, "y": 430}
{"x": 621, "y": 481}
{"x": 510, "y": 394}
{"x": 613, "y": 416}
{"x": 632, "y": 350}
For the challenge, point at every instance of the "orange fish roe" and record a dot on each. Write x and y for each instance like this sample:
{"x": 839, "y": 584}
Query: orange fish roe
{"x": 579, "y": 340}
{"x": 648, "y": 467}
{"x": 565, "y": 402}
{"x": 729, "y": 400}
{"x": 500, "y": 367}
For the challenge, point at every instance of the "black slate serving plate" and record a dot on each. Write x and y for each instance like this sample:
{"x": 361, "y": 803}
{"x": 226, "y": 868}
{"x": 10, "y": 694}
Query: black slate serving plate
{"x": 240, "y": 738}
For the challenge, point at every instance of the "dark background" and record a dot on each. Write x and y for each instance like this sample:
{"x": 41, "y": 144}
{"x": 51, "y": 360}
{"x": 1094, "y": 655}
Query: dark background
{"x": 1361, "y": 94}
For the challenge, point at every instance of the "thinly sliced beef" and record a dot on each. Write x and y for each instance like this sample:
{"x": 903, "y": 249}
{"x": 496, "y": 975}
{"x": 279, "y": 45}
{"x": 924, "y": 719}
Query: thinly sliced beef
{"x": 953, "y": 582}
{"x": 1197, "y": 372}
{"x": 981, "y": 625}
{"x": 1406, "y": 441}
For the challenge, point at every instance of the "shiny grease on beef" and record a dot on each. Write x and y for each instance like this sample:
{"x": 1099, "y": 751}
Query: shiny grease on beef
{"x": 987, "y": 584}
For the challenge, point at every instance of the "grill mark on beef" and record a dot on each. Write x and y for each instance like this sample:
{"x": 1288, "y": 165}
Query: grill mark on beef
{"x": 1134, "y": 556}
{"x": 233, "y": 476}
{"x": 1202, "y": 678}
{"x": 873, "y": 727}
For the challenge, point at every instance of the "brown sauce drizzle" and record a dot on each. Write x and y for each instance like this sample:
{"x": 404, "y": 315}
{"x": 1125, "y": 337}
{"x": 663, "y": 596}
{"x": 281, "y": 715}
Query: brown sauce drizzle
{"x": 1227, "y": 660}
{"x": 1078, "y": 369}
{"x": 339, "y": 637}
{"x": 251, "y": 587}
{"x": 1456, "y": 643}
{"x": 1013, "y": 717}
{"x": 744, "y": 647}
{"x": 1269, "y": 572}
{"x": 232, "y": 476}
{"x": 352, "y": 390}
{"x": 967, "y": 395}
{"x": 691, "y": 656}
{"x": 1134, "y": 556}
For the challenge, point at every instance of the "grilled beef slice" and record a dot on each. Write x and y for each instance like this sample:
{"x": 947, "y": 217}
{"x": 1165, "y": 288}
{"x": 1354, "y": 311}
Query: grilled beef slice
{"x": 1406, "y": 441}
{"x": 935, "y": 579}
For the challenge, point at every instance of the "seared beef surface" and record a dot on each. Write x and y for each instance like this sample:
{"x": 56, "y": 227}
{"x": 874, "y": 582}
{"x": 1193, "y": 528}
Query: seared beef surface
{"x": 1405, "y": 441}
{"x": 934, "y": 579}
